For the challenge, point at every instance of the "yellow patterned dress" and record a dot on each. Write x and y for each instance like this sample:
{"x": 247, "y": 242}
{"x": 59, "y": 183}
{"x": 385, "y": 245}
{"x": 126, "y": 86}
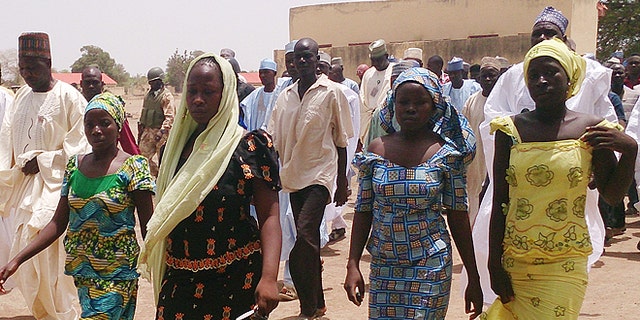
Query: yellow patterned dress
{"x": 546, "y": 240}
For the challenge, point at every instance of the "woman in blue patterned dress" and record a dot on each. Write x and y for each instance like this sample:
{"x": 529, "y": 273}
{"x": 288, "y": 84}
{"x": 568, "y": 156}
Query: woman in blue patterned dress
{"x": 408, "y": 179}
{"x": 100, "y": 192}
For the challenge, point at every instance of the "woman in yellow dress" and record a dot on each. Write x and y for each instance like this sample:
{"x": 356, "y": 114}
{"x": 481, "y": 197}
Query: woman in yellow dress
{"x": 544, "y": 159}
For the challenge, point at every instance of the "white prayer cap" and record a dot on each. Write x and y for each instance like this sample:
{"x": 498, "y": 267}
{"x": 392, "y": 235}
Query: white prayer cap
{"x": 413, "y": 53}
{"x": 288, "y": 48}
{"x": 268, "y": 64}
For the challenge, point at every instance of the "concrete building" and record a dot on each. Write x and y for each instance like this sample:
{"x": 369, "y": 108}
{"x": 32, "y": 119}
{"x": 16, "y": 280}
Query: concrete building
{"x": 470, "y": 29}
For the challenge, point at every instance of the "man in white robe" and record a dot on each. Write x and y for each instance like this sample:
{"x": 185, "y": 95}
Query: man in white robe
{"x": 6, "y": 223}
{"x": 473, "y": 110}
{"x": 332, "y": 213}
{"x": 39, "y": 134}
{"x": 458, "y": 90}
{"x": 633, "y": 130}
{"x": 259, "y": 103}
{"x": 374, "y": 86}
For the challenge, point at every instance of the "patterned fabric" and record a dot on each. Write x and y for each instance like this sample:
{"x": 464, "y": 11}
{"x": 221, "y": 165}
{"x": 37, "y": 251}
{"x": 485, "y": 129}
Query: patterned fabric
{"x": 107, "y": 300}
{"x": 110, "y": 103}
{"x": 213, "y": 256}
{"x": 420, "y": 291}
{"x": 452, "y": 127}
{"x": 150, "y": 146}
{"x": 101, "y": 242}
{"x": 409, "y": 243}
{"x": 58, "y": 135}
{"x": 181, "y": 191}
{"x": 34, "y": 44}
{"x": 546, "y": 241}
{"x": 551, "y": 14}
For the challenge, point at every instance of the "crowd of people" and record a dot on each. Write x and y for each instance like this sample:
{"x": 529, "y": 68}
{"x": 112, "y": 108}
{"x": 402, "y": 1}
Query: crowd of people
{"x": 525, "y": 167}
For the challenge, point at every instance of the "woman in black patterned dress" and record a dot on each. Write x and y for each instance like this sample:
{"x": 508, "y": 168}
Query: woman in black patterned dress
{"x": 209, "y": 258}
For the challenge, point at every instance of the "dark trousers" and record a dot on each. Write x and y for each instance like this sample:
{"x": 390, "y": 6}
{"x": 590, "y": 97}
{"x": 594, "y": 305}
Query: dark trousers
{"x": 304, "y": 260}
{"x": 633, "y": 194}
{"x": 612, "y": 216}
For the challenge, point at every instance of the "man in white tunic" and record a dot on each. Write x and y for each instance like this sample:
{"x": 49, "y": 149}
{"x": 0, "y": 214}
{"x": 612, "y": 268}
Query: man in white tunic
{"x": 473, "y": 110}
{"x": 458, "y": 90}
{"x": 259, "y": 103}
{"x": 39, "y": 134}
{"x": 6, "y": 230}
{"x": 375, "y": 83}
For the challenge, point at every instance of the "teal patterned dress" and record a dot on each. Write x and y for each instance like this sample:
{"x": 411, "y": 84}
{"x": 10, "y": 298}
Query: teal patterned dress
{"x": 101, "y": 245}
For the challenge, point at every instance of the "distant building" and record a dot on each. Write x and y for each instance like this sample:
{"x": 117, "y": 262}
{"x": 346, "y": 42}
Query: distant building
{"x": 469, "y": 29}
{"x": 253, "y": 78}
{"x": 75, "y": 77}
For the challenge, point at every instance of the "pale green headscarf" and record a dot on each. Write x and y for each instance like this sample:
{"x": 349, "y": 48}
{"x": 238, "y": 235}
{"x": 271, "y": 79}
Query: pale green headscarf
{"x": 180, "y": 193}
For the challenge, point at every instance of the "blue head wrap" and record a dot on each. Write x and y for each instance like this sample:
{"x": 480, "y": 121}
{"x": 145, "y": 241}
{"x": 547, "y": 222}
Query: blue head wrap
{"x": 452, "y": 127}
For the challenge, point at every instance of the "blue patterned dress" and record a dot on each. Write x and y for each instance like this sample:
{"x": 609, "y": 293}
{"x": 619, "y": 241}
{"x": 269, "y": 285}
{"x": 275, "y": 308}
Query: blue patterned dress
{"x": 410, "y": 246}
{"x": 101, "y": 245}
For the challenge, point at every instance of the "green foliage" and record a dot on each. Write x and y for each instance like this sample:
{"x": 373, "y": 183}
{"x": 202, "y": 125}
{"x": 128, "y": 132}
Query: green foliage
{"x": 93, "y": 55}
{"x": 618, "y": 29}
{"x": 177, "y": 66}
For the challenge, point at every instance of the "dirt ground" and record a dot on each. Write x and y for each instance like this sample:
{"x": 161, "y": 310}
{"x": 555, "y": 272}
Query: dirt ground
{"x": 612, "y": 293}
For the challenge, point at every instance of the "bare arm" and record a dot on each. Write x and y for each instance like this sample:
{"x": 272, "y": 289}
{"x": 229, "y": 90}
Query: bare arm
{"x": 461, "y": 233}
{"x": 613, "y": 177}
{"x": 359, "y": 233}
{"x": 500, "y": 282}
{"x": 340, "y": 197}
{"x": 267, "y": 208}
{"x": 144, "y": 205}
{"x": 52, "y": 231}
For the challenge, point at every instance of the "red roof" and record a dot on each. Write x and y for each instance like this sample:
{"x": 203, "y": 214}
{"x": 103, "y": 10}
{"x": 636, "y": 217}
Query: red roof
{"x": 77, "y": 76}
{"x": 252, "y": 78}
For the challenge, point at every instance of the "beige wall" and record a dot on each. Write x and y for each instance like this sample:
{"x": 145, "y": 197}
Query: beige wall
{"x": 341, "y": 24}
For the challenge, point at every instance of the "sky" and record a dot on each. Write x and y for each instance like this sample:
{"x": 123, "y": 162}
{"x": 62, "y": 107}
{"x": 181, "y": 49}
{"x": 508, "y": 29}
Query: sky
{"x": 142, "y": 34}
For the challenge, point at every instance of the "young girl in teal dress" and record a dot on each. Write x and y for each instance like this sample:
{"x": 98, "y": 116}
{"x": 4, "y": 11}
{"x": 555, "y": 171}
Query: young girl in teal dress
{"x": 100, "y": 192}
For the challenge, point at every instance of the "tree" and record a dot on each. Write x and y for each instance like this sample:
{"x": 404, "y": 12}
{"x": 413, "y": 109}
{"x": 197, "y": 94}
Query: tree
{"x": 93, "y": 55}
{"x": 618, "y": 28}
{"x": 177, "y": 66}
{"x": 10, "y": 70}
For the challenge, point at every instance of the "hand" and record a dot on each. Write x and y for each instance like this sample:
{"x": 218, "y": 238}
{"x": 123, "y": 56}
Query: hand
{"x": 473, "y": 298}
{"x": 501, "y": 284}
{"x": 609, "y": 138}
{"x": 353, "y": 282}
{"x": 266, "y": 297}
{"x": 6, "y": 272}
{"x": 31, "y": 167}
{"x": 340, "y": 197}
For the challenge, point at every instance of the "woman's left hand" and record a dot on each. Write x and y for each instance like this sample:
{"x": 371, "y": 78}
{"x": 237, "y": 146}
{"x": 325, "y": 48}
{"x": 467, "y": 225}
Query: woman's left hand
{"x": 609, "y": 138}
{"x": 473, "y": 298}
{"x": 266, "y": 296}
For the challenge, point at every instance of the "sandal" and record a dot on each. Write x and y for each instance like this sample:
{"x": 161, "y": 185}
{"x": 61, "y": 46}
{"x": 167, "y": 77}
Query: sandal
{"x": 337, "y": 235}
{"x": 286, "y": 293}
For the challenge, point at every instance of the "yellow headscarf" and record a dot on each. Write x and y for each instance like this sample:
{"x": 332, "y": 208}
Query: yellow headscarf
{"x": 573, "y": 64}
{"x": 178, "y": 194}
